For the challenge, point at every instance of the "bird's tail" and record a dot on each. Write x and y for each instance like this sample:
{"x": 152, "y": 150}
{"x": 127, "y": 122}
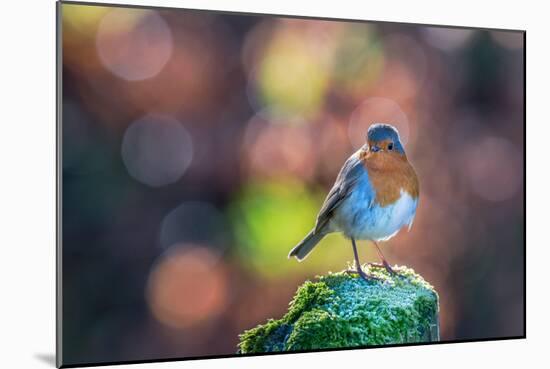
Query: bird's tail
{"x": 301, "y": 250}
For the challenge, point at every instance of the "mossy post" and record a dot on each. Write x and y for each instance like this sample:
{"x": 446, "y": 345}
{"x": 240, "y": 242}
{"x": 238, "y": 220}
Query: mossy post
{"x": 343, "y": 310}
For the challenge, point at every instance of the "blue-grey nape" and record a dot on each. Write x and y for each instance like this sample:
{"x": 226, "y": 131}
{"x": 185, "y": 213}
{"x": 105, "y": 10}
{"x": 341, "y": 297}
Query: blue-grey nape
{"x": 382, "y": 131}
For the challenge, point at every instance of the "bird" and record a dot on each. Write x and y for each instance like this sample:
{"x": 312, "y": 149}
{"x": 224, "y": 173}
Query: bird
{"x": 374, "y": 196}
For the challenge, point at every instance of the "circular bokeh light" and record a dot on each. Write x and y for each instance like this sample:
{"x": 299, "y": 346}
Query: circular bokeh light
{"x": 134, "y": 44}
{"x": 186, "y": 287}
{"x": 157, "y": 150}
{"x": 278, "y": 150}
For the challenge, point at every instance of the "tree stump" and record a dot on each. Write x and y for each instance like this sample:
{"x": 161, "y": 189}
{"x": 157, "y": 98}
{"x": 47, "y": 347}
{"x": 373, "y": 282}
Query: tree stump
{"x": 342, "y": 310}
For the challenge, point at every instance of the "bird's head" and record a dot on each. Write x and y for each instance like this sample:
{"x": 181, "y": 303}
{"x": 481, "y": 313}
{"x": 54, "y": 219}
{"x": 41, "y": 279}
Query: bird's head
{"x": 384, "y": 139}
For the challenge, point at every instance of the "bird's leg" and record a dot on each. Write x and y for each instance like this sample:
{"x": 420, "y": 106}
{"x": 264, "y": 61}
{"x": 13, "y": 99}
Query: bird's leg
{"x": 384, "y": 262}
{"x": 358, "y": 269}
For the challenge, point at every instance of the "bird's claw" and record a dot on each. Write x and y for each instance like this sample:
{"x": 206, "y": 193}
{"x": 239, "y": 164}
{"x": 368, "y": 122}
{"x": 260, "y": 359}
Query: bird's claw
{"x": 363, "y": 275}
{"x": 386, "y": 266}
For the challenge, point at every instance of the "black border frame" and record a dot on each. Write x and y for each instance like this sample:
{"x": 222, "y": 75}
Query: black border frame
{"x": 59, "y": 183}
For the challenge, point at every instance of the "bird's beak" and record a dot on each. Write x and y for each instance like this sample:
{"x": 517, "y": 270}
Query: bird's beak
{"x": 374, "y": 148}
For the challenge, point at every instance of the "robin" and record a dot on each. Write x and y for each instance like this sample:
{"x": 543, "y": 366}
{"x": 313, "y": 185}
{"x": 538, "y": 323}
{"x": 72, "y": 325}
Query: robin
{"x": 374, "y": 196}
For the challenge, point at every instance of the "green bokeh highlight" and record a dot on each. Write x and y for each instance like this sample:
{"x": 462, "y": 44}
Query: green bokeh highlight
{"x": 291, "y": 81}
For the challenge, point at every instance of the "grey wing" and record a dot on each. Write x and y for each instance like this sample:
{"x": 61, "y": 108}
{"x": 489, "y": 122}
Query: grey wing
{"x": 350, "y": 172}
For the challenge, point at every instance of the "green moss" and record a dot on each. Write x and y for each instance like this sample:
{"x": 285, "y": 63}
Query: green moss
{"x": 341, "y": 310}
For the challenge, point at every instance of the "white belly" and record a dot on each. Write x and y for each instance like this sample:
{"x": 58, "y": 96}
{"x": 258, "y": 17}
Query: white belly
{"x": 366, "y": 220}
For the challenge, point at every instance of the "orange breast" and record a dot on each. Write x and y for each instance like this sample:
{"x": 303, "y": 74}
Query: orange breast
{"x": 389, "y": 173}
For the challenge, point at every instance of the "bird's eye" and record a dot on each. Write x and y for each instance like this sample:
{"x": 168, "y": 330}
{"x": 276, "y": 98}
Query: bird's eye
{"x": 390, "y": 147}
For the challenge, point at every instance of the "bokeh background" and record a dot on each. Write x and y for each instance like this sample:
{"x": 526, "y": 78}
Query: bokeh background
{"x": 197, "y": 148}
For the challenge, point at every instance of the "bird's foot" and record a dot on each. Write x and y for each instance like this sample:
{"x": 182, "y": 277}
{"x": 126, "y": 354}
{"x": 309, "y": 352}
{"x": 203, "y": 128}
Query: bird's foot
{"x": 362, "y": 274}
{"x": 386, "y": 266}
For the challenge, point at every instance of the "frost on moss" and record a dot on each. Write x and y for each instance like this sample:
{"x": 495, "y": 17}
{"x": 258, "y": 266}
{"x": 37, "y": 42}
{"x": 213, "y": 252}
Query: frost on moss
{"x": 341, "y": 310}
